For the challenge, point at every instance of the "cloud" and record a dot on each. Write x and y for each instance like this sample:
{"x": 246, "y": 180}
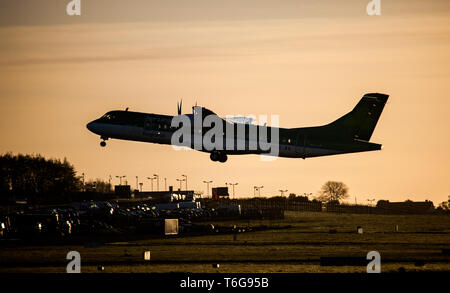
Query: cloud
{"x": 53, "y": 12}
{"x": 203, "y": 40}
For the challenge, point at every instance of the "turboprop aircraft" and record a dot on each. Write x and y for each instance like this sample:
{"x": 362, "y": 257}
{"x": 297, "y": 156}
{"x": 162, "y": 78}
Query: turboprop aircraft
{"x": 350, "y": 133}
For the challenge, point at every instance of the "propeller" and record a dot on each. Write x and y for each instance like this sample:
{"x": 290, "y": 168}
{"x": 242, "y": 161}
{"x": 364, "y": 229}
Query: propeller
{"x": 179, "y": 106}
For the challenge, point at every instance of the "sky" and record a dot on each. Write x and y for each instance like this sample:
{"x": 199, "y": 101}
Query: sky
{"x": 307, "y": 61}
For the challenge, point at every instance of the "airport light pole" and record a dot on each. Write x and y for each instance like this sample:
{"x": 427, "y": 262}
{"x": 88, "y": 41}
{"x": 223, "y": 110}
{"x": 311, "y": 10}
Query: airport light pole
{"x": 82, "y": 175}
{"x": 254, "y": 190}
{"x": 120, "y": 179}
{"x": 233, "y": 184}
{"x": 151, "y": 180}
{"x": 259, "y": 190}
{"x": 181, "y": 180}
{"x": 157, "y": 181}
{"x": 137, "y": 184}
{"x": 207, "y": 187}
{"x": 283, "y": 191}
{"x": 185, "y": 178}
{"x": 140, "y": 185}
{"x": 165, "y": 184}
{"x": 109, "y": 184}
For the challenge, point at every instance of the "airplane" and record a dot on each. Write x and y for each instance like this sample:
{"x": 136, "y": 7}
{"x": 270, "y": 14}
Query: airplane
{"x": 350, "y": 133}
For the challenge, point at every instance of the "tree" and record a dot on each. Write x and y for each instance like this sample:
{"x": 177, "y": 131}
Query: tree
{"x": 98, "y": 185}
{"x": 292, "y": 196}
{"x": 333, "y": 191}
{"x": 36, "y": 178}
{"x": 297, "y": 198}
{"x": 444, "y": 206}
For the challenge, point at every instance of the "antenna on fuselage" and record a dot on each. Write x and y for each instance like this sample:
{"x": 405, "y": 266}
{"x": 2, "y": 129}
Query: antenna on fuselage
{"x": 179, "y": 105}
{"x": 126, "y": 109}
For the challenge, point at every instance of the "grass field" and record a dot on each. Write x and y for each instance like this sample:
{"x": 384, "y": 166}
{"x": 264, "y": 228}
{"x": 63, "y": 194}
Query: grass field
{"x": 417, "y": 246}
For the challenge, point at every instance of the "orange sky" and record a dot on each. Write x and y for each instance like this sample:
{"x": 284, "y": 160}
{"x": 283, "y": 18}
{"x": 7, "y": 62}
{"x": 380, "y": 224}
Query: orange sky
{"x": 309, "y": 63}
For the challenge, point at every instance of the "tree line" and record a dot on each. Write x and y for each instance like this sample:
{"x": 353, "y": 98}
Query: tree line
{"x": 36, "y": 178}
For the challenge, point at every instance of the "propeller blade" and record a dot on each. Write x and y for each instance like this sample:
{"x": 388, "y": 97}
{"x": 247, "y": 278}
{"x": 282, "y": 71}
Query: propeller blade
{"x": 179, "y": 105}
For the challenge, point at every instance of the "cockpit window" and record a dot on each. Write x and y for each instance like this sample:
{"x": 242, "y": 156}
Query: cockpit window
{"x": 108, "y": 117}
{"x": 123, "y": 118}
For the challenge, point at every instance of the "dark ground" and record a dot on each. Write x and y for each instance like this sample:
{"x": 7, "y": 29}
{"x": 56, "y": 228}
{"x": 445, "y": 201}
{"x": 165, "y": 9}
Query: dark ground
{"x": 294, "y": 245}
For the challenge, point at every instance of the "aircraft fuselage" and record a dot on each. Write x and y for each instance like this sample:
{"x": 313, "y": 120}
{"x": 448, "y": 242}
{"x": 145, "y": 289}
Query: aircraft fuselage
{"x": 348, "y": 134}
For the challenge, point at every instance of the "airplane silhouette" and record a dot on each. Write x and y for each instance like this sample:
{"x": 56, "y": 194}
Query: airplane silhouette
{"x": 348, "y": 134}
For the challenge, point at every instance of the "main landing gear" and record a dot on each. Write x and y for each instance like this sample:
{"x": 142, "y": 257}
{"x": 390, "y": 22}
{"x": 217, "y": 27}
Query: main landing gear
{"x": 103, "y": 142}
{"x": 218, "y": 156}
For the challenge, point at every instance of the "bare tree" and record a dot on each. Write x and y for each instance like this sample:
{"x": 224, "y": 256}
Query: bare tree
{"x": 333, "y": 191}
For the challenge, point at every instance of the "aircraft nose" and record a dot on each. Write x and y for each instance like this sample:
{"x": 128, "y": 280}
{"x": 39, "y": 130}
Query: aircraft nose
{"x": 91, "y": 126}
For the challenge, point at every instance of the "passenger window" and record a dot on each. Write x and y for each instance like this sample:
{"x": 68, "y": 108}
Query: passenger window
{"x": 148, "y": 124}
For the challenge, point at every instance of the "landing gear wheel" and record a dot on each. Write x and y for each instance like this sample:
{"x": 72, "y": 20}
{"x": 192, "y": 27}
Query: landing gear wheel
{"x": 214, "y": 156}
{"x": 223, "y": 158}
{"x": 218, "y": 156}
{"x": 103, "y": 144}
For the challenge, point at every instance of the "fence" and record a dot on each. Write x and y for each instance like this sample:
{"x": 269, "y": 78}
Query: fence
{"x": 286, "y": 204}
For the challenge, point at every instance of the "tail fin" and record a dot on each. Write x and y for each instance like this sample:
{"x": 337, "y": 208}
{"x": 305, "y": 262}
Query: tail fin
{"x": 361, "y": 121}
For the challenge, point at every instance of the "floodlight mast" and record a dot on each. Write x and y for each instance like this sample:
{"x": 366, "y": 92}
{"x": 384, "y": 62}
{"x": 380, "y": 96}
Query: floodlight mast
{"x": 282, "y": 191}
{"x": 151, "y": 180}
{"x": 120, "y": 178}
{"x": 185, "y": 178}
{"x": 207, "y": 187}
{"x": 233, "y": 184}
{"x": 157, "y": 181}
{"x": 181, "y": 180}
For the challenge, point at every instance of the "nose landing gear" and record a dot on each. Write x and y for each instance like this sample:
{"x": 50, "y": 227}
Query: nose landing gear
{"x": 103, "y": 142}
{"x": 218, "y": 156}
